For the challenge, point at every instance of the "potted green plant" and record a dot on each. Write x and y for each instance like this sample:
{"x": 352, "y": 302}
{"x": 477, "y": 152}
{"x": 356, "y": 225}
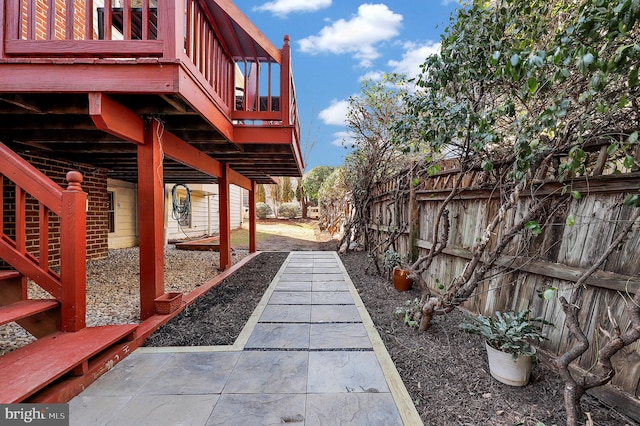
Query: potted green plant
{"x": 508, "y": 338}
{"x": 392, "y": 262}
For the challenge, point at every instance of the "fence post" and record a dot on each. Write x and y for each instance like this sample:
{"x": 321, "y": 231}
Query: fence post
{"x": 414, "y": 217}
{"x": 73, "y": 254}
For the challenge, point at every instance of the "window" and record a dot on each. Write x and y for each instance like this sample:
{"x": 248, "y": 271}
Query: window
{"x": 111, "y": 211}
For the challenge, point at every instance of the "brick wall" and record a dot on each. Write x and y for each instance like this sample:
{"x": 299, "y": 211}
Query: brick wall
{"x": 60, "y": 19}
{"x": 94, "y": 184}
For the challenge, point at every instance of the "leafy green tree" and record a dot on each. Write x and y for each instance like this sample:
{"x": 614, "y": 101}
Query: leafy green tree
{"x": 375, "y": 156}
{"x": 333, "y": 201}
{"x": 286, "y": 189}
{"x": 518, "y": 85}
{"x": 312, "y": 181}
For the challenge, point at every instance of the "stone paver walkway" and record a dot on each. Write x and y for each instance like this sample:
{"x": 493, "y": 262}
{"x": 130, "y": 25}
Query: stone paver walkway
{"x": 309, "y": 355}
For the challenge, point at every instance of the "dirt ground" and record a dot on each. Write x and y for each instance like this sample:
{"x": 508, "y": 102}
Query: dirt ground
{"x": 444, "y": 369}
{"x": 291, "y": 235}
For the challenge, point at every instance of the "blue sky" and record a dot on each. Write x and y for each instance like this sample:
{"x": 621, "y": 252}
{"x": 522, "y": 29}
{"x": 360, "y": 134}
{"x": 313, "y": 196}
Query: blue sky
{"x": 337, "y": 43}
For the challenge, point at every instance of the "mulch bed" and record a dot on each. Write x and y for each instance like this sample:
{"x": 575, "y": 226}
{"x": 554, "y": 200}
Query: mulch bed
{"x": 444, "y": 369}
{"x": 217, "y": 317}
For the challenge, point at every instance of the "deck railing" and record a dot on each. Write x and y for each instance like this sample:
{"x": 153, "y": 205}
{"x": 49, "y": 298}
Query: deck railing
{"x": 169, "y": 30}
{"x": 54, "y": 204}
{"x": 258, "y": 105}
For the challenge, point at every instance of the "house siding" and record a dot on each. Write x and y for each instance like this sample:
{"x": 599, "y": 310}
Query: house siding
{"x": 235, "y": 206}
{"x": 125, "y": 206}
{"x": 205, "y": 211}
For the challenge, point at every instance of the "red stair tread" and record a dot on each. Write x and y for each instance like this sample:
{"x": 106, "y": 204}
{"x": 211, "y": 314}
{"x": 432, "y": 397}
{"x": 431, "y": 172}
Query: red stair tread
{"x": 25, "y": 308}
{"x": 30, "y": 368}
{"x": 7, "y": 274}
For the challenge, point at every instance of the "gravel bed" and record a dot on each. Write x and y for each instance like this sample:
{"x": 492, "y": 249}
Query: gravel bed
{"x": 113, "y": 287}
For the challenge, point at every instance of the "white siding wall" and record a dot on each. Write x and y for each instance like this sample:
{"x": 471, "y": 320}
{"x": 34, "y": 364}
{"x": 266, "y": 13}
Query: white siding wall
{"x": 125, "y": 196}
{"x": 200, "y": 226}
{"x": 235, "y": 202}
{"x": 205, "y": 214}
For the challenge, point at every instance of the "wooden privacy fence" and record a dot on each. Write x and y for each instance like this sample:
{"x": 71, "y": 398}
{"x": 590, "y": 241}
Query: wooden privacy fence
{"x": 556, "y": 257}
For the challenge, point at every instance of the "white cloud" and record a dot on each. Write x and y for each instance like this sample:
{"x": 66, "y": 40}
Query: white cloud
{"x": 373, "y": 24}
{"x": 448, "y": 2}
{"x": 285, "y": 7}
{"x": 336, "y": 113}
{"x": 373, "y": 76}
{"x": 414, "y": 56}
{"x": 342, "y": 139}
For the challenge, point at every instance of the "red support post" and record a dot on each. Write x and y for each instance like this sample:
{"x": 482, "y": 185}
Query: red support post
{"x": 73, "y": 254}
{"x": 225, "y": 219}
{"x": 151, "y": 219}
{"x": 252, "y": 218}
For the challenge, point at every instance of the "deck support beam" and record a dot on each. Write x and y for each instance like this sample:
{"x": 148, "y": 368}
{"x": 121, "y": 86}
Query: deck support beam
{"x": 225, "y": 219}
{"x": 114, "y": 118}
{"x": 150, "y": 219}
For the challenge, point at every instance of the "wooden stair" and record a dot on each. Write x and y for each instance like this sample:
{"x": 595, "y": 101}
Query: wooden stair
{"x": 56, "y": 356}
{"x": 40, "y": 317}
{"x": 25, "y": 308}
{"x": 31, "y": 368}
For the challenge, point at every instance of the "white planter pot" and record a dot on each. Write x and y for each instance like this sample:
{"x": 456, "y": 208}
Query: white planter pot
{"x": 504, "y": 368}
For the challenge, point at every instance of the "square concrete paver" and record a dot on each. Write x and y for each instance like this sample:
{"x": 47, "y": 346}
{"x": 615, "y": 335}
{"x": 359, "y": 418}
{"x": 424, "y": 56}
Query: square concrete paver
{"x": 269, "y": 372}
{"x": 325, "y": 260}
{"x": 296, "y": 270}
{"x": 318, "y": 286}
{"x": 336, "y": 336}
{"x": 287, "y": 277}
{"x": 153, "y": 410}
{"x": 338, "y": 372}
{"x": 207, "y": 373}
{"x": 362, "y": 409}
{"x": 128, "y": 376}
{"x": 95, "y": 410}
{"x": 286, "y": 313}
{"x": 301, "y": 264}
{"x": 258, "y": 409}
{"x": 279, "y": 336}
{"x": 332, "y": 298}
{"x": 293, "y": 286}
{"x": 326, "y": 268}
{"x": 334, "y": 313}
{"x": 290, "y": 298}
{"x": 328, "y": 277}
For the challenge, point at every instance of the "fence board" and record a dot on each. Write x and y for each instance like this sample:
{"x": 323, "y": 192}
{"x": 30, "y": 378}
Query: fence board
{"x": 555, "y": 258}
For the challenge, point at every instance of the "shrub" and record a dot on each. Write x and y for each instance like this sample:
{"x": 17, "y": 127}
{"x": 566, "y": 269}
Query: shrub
{"x": 263, "y": 210}
{"x": 289, "y": 210}
{"x": 509, "y": 331}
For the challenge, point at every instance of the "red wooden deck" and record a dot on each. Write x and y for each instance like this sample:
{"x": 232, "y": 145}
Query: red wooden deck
{"x": 185, "y": 91}
{"x": 204, "y": 244}
{"x": 23, "y": 372}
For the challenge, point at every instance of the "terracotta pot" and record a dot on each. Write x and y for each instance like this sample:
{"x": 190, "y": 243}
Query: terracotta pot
{"x": 400, "y": 280}
{"x": 504, "y": 368}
